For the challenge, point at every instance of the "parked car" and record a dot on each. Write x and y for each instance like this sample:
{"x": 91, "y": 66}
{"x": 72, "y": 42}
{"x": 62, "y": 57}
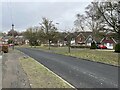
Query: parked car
{"x": 101, "y": 46}
{"x": 0, "y": 45}
{"x": 11, "y": 45}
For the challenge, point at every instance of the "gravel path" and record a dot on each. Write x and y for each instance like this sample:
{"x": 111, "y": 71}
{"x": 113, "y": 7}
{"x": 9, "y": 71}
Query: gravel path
{"x": 13, "y": 75}
{"x": 0, "y": 72}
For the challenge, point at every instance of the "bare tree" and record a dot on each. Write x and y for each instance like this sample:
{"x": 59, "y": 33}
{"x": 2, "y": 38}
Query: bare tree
{"x": 94, "y": 21}
{"x": 79, "y": 22}
{"x": 49, "y": 28}
{"x": 110, "y": 12}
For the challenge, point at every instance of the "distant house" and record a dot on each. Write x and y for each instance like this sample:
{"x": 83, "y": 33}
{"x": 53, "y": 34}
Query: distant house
{"x": 26, "y": 41}
{"x": 89, "y": 40}
{"x": 19, "y": 40}
{"x": 86, "y": 38}
{"x": 5, "y": 39}
{"x": 72, "y": 42}
{"x": 80, "y": 39}
{"x": 1, "y": 35}
{"x": 109, "y": 42}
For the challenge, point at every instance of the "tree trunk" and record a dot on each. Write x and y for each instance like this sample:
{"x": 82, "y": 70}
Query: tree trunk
{"x": 49, "y": 44}
{"x": 69, "y": 47}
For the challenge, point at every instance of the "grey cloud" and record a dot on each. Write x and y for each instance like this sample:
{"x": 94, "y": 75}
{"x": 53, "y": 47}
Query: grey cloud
{"x": 26, "y": 14}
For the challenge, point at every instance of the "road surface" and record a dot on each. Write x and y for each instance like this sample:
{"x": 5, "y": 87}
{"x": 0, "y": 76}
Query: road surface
{"x": 80, "y": 73}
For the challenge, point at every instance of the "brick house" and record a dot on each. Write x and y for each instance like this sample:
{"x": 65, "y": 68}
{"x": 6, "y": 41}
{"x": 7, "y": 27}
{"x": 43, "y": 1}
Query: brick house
{"x": 80, "y": 39}
{"x": 86, "y": 38}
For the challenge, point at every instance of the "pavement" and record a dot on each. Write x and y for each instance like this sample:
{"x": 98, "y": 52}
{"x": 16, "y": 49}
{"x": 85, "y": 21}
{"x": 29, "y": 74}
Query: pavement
{"x": 13, "y": 76}
{"x": 0, "y": 72}
{"x": 78, "y": 72}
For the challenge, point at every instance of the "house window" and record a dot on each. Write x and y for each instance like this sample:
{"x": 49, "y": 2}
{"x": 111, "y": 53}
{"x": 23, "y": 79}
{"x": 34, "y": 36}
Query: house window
{"x": 90, "y": 39}
{"x": 105, "y": 44}
{"x": 80, "y": 39}
{"x": 110, "y": 44}
{"x": 106, "y": 38}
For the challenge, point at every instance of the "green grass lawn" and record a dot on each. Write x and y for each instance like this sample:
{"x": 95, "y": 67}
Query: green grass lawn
{"x": 40, "y": 77}
{"x": 104, "y": 56}
{"x": 108, "y": 57}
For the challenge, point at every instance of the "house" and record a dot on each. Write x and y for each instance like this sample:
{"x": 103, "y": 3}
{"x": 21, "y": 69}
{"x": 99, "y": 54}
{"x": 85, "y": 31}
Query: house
{"x": 86, "y": 38}
{"x": 109, "y": 42}
{"x": 1, "y": 35}
{"x": 5, "y": 39}
{"x": 72, "y": 42}
{"x": 26, "y": 41}
{"x": 77, "y": 38}
{"x": 80, "y": 39}
{"x": 89, "y": 40}
{"x": 19, "y": 40}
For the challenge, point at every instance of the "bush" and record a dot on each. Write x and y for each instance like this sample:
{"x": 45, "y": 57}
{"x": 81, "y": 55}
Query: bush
{"x": 33, "y": 43}
{"x": 117, "y": 48}
{"x": 10, "y": 41}
{"x": 93, "y": 45}
{"x": 5, "y": 48}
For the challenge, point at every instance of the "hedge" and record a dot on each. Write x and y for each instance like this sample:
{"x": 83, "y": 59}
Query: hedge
{"x": 76, "y": 46}
{"x": 117, "y": 48}
{"x": 93, "y": 46}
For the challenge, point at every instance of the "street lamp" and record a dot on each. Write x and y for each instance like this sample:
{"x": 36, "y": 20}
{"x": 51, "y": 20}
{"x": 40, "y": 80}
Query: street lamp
{"x": 13, "y": 35}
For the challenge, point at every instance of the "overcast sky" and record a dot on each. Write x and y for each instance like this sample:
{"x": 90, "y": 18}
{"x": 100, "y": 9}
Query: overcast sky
{"x": 27, "y": 14}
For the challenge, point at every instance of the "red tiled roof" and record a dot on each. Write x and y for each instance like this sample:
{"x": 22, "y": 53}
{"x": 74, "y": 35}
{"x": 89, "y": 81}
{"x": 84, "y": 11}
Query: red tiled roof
{"x": 108, "y": 40}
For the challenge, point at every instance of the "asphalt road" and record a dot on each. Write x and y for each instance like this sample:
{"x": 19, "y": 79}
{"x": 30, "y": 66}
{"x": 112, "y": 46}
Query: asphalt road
{"x": 80, "y": 73}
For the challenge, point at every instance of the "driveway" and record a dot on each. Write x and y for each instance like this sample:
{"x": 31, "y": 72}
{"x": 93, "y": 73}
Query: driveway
{"x": 80, "y": 73}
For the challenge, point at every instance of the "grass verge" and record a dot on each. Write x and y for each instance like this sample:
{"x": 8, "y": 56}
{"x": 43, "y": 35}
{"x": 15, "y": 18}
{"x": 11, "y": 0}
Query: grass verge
{"x": 103, "y": 56}
{"x": 107, "y": 57}
{"x": 39, "y": 76}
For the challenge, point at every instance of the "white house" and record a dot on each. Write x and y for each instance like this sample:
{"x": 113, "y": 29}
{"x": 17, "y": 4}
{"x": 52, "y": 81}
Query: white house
{"x": 108, "y": 42}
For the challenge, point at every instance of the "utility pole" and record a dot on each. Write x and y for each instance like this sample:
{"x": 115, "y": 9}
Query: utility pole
{"x": 13, "y": 35}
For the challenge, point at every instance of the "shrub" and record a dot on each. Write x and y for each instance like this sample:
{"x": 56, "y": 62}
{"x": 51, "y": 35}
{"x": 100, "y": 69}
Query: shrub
{"x": 5, "y": 48}
{"x": 33, "y": 43}
{"x": 10, "y": 41}
{"x": 93, "y": 45}
{"x": 117, "y": 48}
